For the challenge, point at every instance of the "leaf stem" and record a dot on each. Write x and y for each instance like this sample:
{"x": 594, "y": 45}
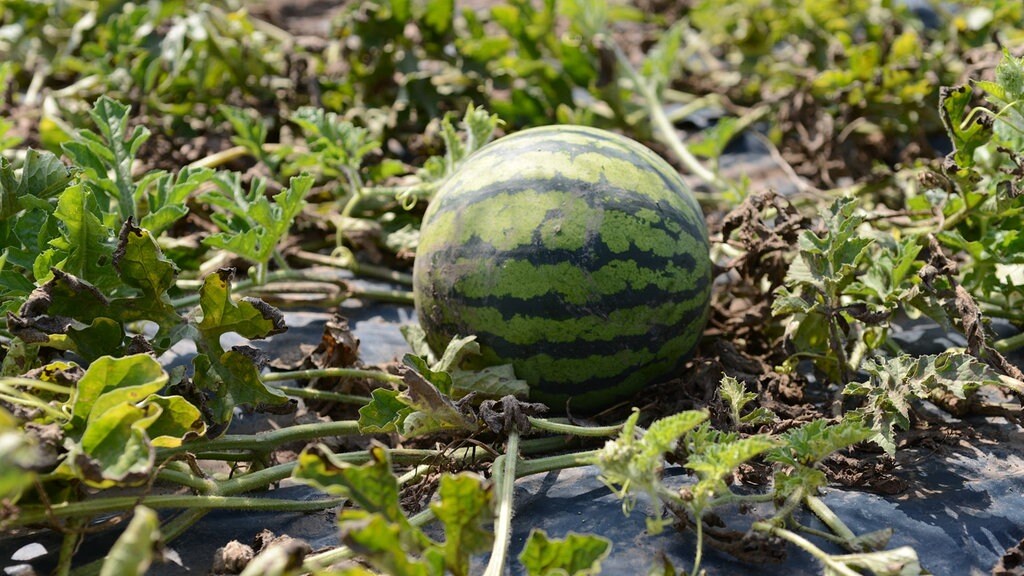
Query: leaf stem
{"x": 265, "y": 441}
{"x": 663, "y": 126}
{"x": 1009, "y": 344}
{"x": 38, "y": 514}
{"x": 333, "y": 373}
{"x": 564, "y": 428}
{"x": 548, "y": 463}
{"x": 323, "y": 395}
{"x": 291, "y": 274}
{"x": 37, "y": 384}
{"x": 505, "y": 470}
{"x": 837, "y": 567}
{"x": 353, "y": 265}
{"x": 834, "y": 523}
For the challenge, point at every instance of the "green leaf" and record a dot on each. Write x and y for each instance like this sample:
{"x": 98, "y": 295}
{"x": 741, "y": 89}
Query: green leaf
{"x": 43, "y": 176}
{"x": 454, "y": 353}
{"x": 435, "y": 411}
{"x": 894, "y": 382}
{"x": 109, "y": 382}
{"x": 167, "y": 196}
{"x": 661, "y": 63}
{"x": 632, "y": 464}
{"x": 736, "y": 396}
{"x": 371, "y": 486}
{"x": 107, "y": 157}
{"x": 135, "y": 548}
{"x": 575, "y": 555}
{"x": 968, "y": 132}
{"x": 439, "y": 14}
{"x": 178, "y": 420}
{"x": 18, "y": 460}
{"x": 464, "y": 509}
{"x": 662, "y": 435}
{"x": 490, "y": 382}
{"x": 85, "y": 247}
{"x": 232, "y": 380}
{"x": 114, "y": 449}
{"x": 813, "y": 442}
{"x": 102, "y": 337}
{"x": 380, "y": 542}
{"x": 252, "y": 225}
{"x": 384, "y": 413}
{"x": 141, "y": 265}
{"x": 718, "y": 460}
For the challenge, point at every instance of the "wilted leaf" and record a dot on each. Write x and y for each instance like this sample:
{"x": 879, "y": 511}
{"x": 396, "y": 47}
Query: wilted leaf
{"x": 249, "y": 317}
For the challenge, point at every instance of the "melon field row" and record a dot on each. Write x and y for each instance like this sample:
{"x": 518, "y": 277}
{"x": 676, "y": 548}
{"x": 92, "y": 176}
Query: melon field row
{"x": 678, "y": 246}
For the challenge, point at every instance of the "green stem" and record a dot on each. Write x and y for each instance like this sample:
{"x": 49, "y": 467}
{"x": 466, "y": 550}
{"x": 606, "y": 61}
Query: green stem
{"x": 837, "y": 567}
{"x": 38, "y": 514}
{"x": 356, "y": 267}
{"x": 1009, "y": 344}
{"x": 732, "y": 498}
{"x": 265, "y": 441}
{"x": 505, "y": 469}
{"x": 68, "y": 545}
{"x": 563, "y": 428}
{"x": 791, "y": 504}
{"x": 333, "y": 373}
{"x": 397, "y": 296}
{"x": 37, "y": 385}
{"x": 834, "y": 523}
{"x": 663, "y": 126}
{"x": 14, "y": 397}
{"x": 699, "y": 555}
{"x": 201, "y": 485}
{"x": 821, "y": 534}
{"x": 324, "y": 395}
{"x": 1012, "y": 384}
{"x": 547, "y": 464}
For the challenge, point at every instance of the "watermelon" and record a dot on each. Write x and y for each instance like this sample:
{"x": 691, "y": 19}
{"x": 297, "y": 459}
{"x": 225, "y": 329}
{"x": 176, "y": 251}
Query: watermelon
{"x": 575, "y": 254}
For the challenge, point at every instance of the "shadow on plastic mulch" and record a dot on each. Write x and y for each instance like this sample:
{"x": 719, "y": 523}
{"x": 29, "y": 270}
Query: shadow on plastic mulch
{"x": 962, "y": 511}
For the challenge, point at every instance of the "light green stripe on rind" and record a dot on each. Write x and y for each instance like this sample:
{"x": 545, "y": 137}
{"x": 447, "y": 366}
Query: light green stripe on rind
{"x": 565, "y": 221}
{"x": 544, "y": 367}
{"x": 590, "y": 167}
{"x": 509, "y": 220}
{"x": 597, "y": 139}
{"x": 524, "y": 330}
{"x": 524, "y": 280}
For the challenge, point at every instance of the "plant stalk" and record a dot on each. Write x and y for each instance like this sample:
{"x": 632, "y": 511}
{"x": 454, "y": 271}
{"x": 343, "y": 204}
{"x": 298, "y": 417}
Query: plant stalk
{"x": 563, "y": 428}
{"x": 333, "y": 373}
{"x": 265, "y": 441}
{"x": 663, "y": 126}
{"x": 505, "y": 468}
{"x": 837, "y": 567}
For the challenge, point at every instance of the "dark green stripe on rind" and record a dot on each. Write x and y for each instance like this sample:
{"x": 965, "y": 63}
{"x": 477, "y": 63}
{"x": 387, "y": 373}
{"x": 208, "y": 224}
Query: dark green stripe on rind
{"x": 557, "y": 212}
{"x": 577, "y": 254}
{"x": 536, "y": 340}
{"x": 589, "y": 174}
